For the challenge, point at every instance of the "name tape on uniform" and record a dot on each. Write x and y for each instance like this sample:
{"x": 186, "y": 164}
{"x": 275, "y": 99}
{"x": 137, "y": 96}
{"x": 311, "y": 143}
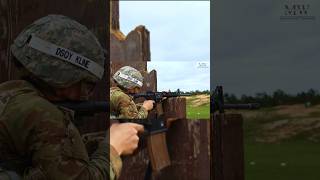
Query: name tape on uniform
{"x": 134, "y": 80}
{"x": 66, "y": 55}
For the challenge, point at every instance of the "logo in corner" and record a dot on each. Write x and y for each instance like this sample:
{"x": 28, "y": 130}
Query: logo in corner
{"x": 296, "y": 12}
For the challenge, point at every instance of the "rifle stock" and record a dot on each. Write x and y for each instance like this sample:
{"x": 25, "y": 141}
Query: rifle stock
{"x": 157, "y": 144}
{"x": 158, "y": 152}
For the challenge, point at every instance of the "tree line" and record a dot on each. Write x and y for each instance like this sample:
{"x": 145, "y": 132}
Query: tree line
{"x": 278, "y": 97}
{"x": 196, "y": 92}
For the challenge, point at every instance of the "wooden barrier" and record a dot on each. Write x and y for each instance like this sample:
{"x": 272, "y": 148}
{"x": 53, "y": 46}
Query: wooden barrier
{"x": 227, "y": 147}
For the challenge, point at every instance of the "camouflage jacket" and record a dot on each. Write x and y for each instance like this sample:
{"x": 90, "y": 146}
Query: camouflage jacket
{"x": 39, "y": 141}
{"x": 122, "y": 105}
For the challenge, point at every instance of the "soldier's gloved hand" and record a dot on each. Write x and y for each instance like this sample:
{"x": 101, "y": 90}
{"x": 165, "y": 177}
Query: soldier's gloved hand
{"x": 148, "y": 104}
{"x": 124, "y": 137}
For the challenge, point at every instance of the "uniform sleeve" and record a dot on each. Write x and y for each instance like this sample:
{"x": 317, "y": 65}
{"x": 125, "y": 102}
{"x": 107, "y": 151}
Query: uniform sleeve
{"x": 128, "y": 109}
{"x": 114, "y": 159}
{"x": 116, "y": 162}
{"x": 59, "y": 152}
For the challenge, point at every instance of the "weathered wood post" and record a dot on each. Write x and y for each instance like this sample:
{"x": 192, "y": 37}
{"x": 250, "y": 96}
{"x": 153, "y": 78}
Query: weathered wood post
{"x": 227, "y": 147}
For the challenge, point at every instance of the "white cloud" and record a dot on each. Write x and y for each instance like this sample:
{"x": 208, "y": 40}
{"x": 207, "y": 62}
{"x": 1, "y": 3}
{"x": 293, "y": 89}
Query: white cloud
{"x": 186, "y": 76}
{"x": 179, "y": 31}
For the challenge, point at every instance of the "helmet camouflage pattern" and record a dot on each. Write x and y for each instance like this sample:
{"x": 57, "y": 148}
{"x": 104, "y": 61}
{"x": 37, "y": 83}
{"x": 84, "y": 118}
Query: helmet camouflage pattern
{"x": 59, "y": 51}
{"x": 128, "y": 77}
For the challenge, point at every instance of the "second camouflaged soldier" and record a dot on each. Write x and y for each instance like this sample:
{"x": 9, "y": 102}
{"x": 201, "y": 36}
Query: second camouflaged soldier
{"x": 59, "y": 59}
{"x": 128, "y": 80}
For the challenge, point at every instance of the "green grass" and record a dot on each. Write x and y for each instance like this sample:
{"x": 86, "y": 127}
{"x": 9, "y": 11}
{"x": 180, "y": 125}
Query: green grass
{"x": 263, "y": 160}
{"x": 293, "y": 159}
{"x": 199, "y": 112}
{"x": 302, "y": 161}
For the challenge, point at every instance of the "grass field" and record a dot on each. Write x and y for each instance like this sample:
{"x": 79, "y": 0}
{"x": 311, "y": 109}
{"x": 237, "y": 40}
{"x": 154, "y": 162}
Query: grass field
{"x": 198, "y": 107}
{"x": 295, "y": 160}
{"x": 282, "y": 143}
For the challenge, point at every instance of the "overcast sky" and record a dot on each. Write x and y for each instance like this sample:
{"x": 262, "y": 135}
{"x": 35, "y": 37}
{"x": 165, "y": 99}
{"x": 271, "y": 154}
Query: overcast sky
{"x": 255, "y": 52}
{"x": 179, "y": 40}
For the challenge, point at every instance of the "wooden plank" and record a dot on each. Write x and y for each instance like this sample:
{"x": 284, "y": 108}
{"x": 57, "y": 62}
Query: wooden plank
{"x": 228, "y": 149}
{"x": 188, "y": 145}
{"x": 135, "y": 166}
{"x": 175, "y": 108}
{"x": 158, "y": 153}
{"x": 114, "y": 15}
{"x": 6, "y": 37}
{"x": 135, "y": 47}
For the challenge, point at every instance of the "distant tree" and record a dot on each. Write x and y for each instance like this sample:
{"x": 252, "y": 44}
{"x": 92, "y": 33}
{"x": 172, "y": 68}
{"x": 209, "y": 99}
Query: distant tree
{"x": 206, "y": 92}
{"x": 264, "y": 99}
{"x": 247, "y": 99}
{"x": 232, "y": 99}
{"x": 278, "y": 97}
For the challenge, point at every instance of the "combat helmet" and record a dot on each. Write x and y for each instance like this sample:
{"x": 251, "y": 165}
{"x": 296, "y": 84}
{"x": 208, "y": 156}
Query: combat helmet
{"x": 128, "y": 77}
{"x": 59, "y": 51}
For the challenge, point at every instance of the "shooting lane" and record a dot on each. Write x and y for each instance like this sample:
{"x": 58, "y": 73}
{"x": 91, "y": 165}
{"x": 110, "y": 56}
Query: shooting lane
{"x": 16, "y": 15}
{"x": 187, "y": 140}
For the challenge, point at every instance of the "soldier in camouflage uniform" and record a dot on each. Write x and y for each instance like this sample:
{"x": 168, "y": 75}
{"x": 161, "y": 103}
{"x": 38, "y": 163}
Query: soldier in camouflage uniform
{"x": 58, "y": 59}
{"x": 128, "y": 80}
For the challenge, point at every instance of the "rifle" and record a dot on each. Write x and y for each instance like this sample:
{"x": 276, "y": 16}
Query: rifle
{"x": 90, "y": 108}
{"x": 159, "y": 96}
{"x": 157, "y": 119}
{"x": 155, "y": 124}
{"x": 217, "y": 110}
{"x": 217, "y": 102}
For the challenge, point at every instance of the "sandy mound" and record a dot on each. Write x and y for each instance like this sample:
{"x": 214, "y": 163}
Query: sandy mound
{"x": 297, "y": 110}
{"x": 287, "y": 122}
{"x": 199, "y": 100}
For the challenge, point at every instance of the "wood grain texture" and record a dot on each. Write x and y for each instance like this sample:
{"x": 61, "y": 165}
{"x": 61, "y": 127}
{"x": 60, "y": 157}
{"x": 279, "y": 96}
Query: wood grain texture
{"x": 158, "y": 152}
{"x": 135, "y": 47}
{"x": 188, "y": 145}
{"x": 228, "y": 149}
